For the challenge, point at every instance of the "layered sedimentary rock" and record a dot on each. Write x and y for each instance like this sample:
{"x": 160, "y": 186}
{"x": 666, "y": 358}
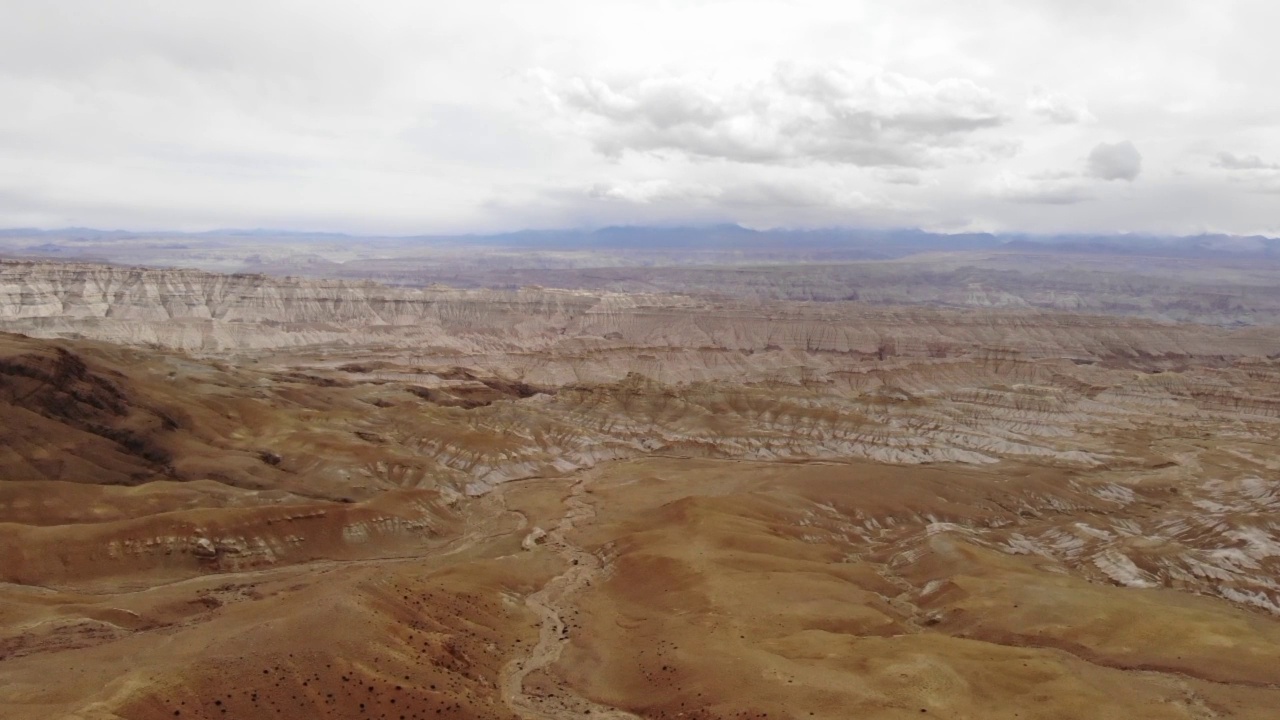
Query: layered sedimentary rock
{"x": 202, "y": 311}
{"x": 1221, "y": 291}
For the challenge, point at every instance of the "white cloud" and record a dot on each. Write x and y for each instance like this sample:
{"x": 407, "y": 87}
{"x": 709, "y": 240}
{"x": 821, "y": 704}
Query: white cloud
{"x": 838, "y": 114}
{"x": 753, "y": 193}
{"x": 1114, "y": 161}
{"x": 1231, "y": 161}
{"x": 1058, "y": 108}
{"x": 1041, "y": 189}
{"x": 650, "y": 191}
{"x": 904, "y": 176}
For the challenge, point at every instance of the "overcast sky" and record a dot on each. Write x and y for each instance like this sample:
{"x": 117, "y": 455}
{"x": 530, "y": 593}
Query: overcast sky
{"x": 407, "y": 117}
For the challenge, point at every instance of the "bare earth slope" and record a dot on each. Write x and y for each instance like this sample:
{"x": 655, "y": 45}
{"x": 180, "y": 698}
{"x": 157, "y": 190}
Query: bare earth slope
{"x": 359, "y": 501}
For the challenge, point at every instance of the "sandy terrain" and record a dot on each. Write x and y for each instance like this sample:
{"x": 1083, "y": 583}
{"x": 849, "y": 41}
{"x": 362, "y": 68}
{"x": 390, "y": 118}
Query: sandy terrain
{"x": 572, "y": 506}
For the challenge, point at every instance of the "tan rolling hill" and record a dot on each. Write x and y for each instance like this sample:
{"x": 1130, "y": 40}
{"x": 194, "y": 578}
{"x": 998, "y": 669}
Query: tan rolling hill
{"x": 237, "y": 496}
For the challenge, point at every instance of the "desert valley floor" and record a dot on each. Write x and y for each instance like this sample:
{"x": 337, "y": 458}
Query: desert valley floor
{"x": 242, "y": 496}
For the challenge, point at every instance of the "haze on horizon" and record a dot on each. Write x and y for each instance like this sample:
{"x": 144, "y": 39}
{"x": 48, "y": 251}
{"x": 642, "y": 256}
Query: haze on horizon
{"x": 1040, "y": 116}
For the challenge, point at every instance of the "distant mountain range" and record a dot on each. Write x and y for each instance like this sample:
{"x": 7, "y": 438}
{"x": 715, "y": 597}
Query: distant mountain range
{"x": 845, "y": 242}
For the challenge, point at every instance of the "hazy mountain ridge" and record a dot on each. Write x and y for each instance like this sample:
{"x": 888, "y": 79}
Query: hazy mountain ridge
{"x": 887, "y": 243}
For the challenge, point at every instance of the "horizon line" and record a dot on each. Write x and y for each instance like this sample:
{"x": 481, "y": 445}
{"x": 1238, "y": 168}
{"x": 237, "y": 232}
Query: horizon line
{"x": 587, "y": 230}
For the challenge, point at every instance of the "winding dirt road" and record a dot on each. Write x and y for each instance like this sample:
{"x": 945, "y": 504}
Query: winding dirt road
{"x": 551, "y": 603}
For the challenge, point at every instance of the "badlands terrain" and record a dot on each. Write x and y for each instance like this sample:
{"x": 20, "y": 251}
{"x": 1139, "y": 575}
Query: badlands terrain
{"x": 979, "y": 485}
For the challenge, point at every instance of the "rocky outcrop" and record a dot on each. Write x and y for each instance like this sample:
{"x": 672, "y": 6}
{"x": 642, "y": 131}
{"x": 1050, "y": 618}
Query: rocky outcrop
{"x": 590, "y": 335}
{"x": 190, "y": 542}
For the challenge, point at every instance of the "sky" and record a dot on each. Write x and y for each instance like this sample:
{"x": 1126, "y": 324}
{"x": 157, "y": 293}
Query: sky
{"x": 1043, "y": 116}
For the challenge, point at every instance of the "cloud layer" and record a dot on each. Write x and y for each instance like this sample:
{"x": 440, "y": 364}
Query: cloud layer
{"x": 860, "y": 116}
{"x": 496, "y": 114}
{"x": 1231, "y": 161}
{"x": 1115, "y": 161}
